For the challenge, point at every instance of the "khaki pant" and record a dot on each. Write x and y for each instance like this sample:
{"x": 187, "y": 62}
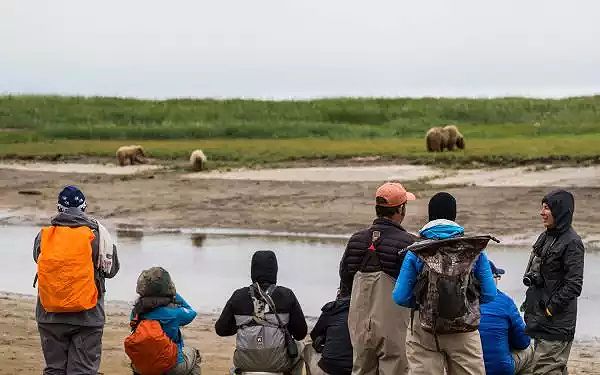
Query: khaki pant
{"x": 190, "y": 364}
{"x": 312, "y": 358}
{"x": 551, "y": 357}
{"x": 460, "y": 353}
{"x": 523, "y": 360}
{"x": 377, "y": 326}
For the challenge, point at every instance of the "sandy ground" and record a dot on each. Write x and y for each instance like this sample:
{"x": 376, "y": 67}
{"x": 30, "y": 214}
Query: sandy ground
{"x": 20, "y": 348}
{"x": 323, "y": 174}
{"x": 111, "y": 169}
{"x": 165, "y": 199}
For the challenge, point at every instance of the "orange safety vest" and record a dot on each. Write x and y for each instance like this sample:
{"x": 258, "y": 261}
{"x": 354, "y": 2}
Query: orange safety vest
{"x": 65, "y": 272}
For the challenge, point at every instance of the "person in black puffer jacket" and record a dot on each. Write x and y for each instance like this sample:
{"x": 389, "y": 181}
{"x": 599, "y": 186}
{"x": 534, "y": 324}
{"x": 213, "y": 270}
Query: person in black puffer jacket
{"x": 369, "y": 269}
{"x": 331, "y": 349}
{"x": 554, "y": 278}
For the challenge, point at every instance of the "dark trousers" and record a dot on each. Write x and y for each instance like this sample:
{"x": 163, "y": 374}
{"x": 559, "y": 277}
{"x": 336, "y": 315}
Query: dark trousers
{"x": 70, "y": 349}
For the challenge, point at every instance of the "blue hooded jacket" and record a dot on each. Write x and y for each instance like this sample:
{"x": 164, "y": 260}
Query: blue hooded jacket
{"x": 502, "y": 330}
{"x": 171, "y": 318}
{"x": 412, "y": 265}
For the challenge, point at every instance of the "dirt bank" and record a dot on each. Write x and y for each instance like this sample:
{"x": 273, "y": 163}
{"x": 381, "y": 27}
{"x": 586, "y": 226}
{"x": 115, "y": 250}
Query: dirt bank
{"x": 20, "y": 348}
{"x": 163, "y": 199}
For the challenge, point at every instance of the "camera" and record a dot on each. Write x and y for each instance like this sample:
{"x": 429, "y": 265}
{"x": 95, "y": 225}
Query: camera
{"x": 532, "y": 279}
{"x": 533, "y": 276}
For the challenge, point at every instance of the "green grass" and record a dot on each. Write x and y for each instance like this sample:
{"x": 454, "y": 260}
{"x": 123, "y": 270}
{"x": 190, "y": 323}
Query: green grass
{"x": 246, "y": 132}
{"x": 54, "y": 117}
{"x": 261, "y": 151}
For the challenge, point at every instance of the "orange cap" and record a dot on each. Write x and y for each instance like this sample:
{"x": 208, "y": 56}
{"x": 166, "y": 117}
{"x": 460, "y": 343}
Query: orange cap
{"x": 394, "y": 194}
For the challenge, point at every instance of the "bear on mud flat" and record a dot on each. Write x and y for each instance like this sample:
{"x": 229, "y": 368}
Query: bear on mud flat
{"x": 133, "y": 153}
{"x": 436, "y": 139}
{"x": 197, "y": 160}
{"x": 455, "y": 138}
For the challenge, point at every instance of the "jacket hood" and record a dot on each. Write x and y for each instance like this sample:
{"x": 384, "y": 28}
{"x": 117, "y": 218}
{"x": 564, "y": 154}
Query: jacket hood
{"x": 562, "y": 205}
{"x": 74, "y": 217}
{"x": 264, "y": 267}
{"x": 339, "y": 305}
{"x": 441, "y": 229}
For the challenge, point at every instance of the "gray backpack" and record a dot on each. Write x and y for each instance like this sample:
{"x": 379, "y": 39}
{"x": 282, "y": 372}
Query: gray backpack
{"x": 446, "y": 292}
{"x": 262, "y": 338}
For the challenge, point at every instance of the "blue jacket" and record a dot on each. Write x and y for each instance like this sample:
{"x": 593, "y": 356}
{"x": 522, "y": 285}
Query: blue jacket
{"x": 171, "y": 318}
{"x": 502, "y": 329}
{"x": 412, "y": 265}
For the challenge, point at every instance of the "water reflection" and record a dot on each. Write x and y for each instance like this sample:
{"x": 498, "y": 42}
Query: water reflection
{"x": 198, "y": 239}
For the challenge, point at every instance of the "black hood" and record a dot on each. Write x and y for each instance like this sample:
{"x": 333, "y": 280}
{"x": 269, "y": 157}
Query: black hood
{"x": 562, "y": 205}
{"x": 339, "y": 305}
{"x": 264, "y": 267}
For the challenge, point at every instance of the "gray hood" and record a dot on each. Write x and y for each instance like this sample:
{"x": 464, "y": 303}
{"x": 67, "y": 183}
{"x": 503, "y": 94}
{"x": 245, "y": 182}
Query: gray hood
{"x": 74, "y": 217}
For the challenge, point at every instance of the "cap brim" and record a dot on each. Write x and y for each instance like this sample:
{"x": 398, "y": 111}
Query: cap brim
{"x": 410, "y": 196}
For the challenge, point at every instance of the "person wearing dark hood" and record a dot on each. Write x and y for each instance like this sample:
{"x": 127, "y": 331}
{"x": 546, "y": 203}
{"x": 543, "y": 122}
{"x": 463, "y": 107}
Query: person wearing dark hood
{"x": 554, "y": 277}
{"x": 267, "y": 319}
{"x": 330, "y": 352}
{"x": 74, "y": 255}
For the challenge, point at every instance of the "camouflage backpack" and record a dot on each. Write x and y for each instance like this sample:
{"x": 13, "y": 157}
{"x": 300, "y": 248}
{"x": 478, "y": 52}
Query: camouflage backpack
{"x": 446, "y": 291}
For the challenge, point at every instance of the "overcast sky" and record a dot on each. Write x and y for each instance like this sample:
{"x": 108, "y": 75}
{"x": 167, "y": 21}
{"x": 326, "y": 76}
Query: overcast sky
{"x": 300, "y": 49}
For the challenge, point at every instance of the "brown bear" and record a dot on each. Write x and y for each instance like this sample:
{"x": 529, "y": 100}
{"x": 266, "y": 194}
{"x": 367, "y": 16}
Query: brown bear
{"x": 436, "y": 139}
{"x": 133, "y": 153}
{"x": 197, "y": 160}
{"x": 455, "y": 138}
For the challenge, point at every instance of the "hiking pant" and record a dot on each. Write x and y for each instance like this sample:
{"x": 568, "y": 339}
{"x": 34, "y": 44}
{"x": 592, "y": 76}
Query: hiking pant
{"x": 459, "y": 353}
{"x": 523, "y": 360}
{"x": 190, "y": 364}
{"x": 551, "y": 357}
{"x": 70, "y": 349}
{"x": 377, "y": 326}
{"x": 312, "y": 358}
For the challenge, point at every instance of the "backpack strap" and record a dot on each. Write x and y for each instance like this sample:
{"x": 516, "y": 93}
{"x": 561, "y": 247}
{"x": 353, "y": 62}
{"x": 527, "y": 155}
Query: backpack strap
{"x": 371, "y": 253}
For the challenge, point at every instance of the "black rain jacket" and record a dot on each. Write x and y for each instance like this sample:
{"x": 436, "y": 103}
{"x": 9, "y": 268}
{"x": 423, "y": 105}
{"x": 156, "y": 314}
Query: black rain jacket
{"x": 562, "y": 253}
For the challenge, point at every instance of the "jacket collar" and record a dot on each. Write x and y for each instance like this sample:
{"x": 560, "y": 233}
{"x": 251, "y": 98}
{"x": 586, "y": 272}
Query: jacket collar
{"x": 387, "y": 222}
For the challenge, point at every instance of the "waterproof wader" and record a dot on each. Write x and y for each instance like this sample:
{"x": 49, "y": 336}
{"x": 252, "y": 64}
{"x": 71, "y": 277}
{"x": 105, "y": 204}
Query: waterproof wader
{"x": 312, "y": 358}
{"x": 377, "y": 326}
{"x": 551, "y": 357}
{"x": 71, "y": 350}
{"x": 459, "y": 353}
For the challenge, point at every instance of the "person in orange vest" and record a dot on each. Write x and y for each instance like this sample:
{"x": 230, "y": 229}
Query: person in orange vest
{"x": 74, "y": 255}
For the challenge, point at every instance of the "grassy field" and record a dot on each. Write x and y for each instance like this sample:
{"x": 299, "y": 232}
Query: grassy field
{"x": 498, "y": 131}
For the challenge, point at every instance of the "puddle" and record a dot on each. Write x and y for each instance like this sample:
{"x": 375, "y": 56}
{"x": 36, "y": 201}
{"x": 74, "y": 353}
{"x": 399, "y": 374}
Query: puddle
{"x": 208, "y": 267}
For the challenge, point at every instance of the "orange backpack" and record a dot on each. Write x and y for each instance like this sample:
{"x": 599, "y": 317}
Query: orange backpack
{"x": 151, "y": 351}
{"x": 65, "y": 270}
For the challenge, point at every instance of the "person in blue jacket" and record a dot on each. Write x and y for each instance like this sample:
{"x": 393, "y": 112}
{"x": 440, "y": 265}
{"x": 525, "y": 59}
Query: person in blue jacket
{"x": 159, "y": 301}
{"x": 458, "y": 352}
{"x": 506, "y": 347}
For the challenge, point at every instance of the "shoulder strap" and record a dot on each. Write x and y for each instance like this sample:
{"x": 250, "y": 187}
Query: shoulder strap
{"x": 372, "y": 250}
{"x": 266, "y": 295}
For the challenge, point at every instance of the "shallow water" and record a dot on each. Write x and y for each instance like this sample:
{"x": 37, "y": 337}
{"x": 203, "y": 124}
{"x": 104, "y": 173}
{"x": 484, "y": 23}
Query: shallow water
{"x": 207, "y": 268}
